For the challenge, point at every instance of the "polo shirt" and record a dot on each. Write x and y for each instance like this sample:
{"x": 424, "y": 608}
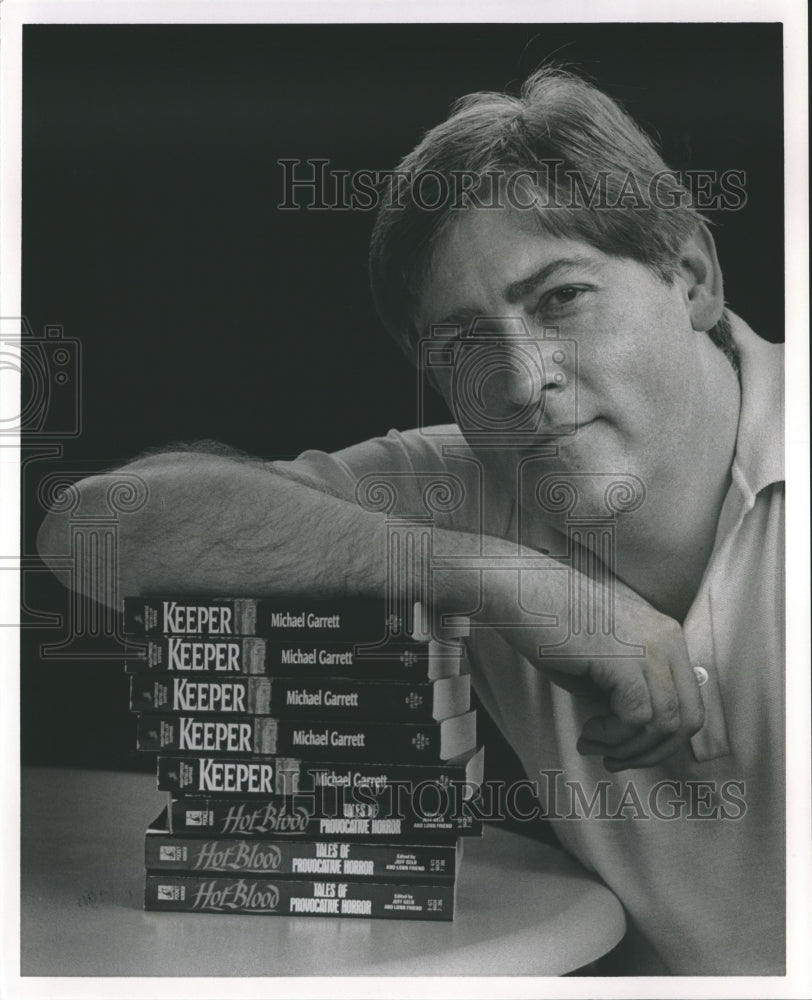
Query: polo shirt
{"x": 694, "y": 847}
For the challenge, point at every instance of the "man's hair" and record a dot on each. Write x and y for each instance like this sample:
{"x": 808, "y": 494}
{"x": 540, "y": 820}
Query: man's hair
{"x": 589, "y": 161}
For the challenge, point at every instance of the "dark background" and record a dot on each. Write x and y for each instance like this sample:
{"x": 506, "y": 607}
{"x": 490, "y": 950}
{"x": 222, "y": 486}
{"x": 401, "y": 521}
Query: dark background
{"x": 151, "y": 234}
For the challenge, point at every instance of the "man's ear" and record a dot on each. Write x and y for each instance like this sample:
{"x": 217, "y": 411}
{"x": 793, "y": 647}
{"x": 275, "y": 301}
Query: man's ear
{"x": 699, "y": 269}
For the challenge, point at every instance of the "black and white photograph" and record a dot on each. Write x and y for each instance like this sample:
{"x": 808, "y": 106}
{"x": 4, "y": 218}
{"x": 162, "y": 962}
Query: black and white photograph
{"x": 397, "y": 440}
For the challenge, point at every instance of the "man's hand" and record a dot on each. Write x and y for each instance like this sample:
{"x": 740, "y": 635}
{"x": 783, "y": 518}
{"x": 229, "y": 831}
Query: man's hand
{"x": 653, "y": 702}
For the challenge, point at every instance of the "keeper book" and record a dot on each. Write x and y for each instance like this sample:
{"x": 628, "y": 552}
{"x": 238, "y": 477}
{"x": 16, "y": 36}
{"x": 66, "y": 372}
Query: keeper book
{"x": 188, "y": 775}
{"x": 399, "y": 658}
{"x": 273, "y": 617}
{"x": 337, "y": 739}
{"x": 319, "y": 697}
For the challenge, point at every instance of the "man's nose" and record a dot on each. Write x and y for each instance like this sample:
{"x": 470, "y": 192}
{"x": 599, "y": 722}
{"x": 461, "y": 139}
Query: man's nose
{"x": 517, "y": 382}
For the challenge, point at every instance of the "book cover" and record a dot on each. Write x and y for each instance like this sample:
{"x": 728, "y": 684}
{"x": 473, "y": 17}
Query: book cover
{"x": 292, "y": 897}
{"x": 326, "y": 698}
{"x": 311, "y": 738}
{"x": 217, "y": 776}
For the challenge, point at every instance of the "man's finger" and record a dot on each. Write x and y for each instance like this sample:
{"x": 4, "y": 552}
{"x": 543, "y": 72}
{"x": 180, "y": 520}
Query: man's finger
{"x": 604, "y": 731}
{"x": 625, "y": 684}
{"x": 678, "y": 714}
{"x": 671, "y": 722}
{"x": 649, "y": 740}
{"x": 650, "y": 758}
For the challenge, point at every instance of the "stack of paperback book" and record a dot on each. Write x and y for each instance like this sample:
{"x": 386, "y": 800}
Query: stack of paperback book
{"x": 318, "y": 760}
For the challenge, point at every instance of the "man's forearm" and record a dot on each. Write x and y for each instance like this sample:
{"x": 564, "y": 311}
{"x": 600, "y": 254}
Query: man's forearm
{"x": 213, "y": 524}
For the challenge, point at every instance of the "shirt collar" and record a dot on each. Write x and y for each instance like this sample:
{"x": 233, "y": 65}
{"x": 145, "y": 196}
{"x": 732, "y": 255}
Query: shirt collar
{"x": 759, "y": 458}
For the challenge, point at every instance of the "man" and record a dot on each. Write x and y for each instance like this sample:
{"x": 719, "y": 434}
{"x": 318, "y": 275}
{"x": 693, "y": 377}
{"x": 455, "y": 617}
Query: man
{"x": 613, "y": 510}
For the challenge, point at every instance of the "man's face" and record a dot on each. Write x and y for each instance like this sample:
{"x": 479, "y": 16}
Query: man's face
{"x": 639, "y": 397}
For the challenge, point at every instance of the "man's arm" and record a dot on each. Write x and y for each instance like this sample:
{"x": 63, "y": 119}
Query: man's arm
{"x": 215, "y": 524}
{"x": 218, "y": 525}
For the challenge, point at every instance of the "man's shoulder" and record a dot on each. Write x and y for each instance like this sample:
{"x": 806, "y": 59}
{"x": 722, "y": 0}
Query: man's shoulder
{"x": 418, "y": 472}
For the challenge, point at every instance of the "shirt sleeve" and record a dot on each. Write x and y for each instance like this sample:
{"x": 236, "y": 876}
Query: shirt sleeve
{"x": 416, "y": 473}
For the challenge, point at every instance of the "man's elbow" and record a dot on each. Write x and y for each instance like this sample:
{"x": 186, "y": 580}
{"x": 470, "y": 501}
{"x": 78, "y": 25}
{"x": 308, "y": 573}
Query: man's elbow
{"x": 116, "y": 524}
{"x": 82, "y": 534}
{"x": 78, "y": 508}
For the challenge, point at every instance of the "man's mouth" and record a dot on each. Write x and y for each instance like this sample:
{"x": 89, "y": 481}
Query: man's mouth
{"x": 556, "y": 431}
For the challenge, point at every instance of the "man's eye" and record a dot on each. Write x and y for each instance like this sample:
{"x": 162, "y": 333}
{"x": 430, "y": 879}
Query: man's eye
{"x": 559, "y": 298}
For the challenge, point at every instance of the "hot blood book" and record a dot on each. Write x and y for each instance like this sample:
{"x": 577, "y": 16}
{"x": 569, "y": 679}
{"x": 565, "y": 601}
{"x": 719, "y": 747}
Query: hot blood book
{"x": 292, "y": 897}
{"x": 337, "y": 697}
{"x": 297, "y": 857}
{"x": 334, "y": 738}
{"x": 421, "y": 811}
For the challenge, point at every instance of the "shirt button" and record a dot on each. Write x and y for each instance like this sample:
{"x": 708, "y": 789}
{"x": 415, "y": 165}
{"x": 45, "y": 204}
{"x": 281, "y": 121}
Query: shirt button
{"x": 701, "y": 675}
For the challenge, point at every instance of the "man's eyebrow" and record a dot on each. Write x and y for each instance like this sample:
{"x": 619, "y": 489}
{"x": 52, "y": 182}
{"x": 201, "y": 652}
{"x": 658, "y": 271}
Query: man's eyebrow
{"x": 517, "y": 290}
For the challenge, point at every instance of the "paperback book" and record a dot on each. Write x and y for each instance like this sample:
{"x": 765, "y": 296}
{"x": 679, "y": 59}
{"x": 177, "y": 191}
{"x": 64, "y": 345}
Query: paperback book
{"x": 285, "y": 619}
{"x": 324, "y": 698}
{"x": 427, "y": 810}
{"x": 311, "y": 738}
{"x": 216, "y": 776}
{"x": 400, "y": 659}
{"x": 166, "y": 851}
{"x": 300, "y": 897}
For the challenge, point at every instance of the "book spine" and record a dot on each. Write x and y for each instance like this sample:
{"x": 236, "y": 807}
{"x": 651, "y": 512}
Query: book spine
{"x": 340, "y": 739}
{"x": 286, "y": 619}
{"x": 305, "y": 858}
{"x": 337, "y": 697}
{"x": 403, "y": 660}
{"x": 287, "y": 776}
{"x": 427, "y": 810}
{"x": 290, "y": 897}
{"x": 280, "y": 618}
